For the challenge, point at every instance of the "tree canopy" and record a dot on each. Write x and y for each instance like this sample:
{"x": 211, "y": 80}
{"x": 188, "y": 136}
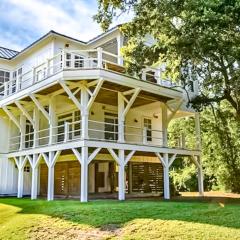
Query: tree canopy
{"x": 193, "y": 38}
{"x": 204, "y": 35}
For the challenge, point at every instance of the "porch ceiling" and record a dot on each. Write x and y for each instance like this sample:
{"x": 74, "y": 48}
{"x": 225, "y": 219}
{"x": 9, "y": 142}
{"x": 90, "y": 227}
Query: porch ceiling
{"x": 108, "y": 94}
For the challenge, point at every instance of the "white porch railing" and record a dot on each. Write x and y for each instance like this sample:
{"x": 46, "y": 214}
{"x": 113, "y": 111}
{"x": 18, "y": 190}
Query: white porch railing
{"x": 108, "y": 132}
{"x": 77, "y": 60}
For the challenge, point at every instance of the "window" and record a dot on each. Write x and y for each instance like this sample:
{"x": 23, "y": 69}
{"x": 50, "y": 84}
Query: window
{"x": 4, "y": 77}
{"x": 111, "y": 126}
{"x": 148, "y": 125}
{"x": 26, "y": 169}
{"x": 29, "y": 135}
{"x": 68, "y": 60}
{"x": 78, "y": 61}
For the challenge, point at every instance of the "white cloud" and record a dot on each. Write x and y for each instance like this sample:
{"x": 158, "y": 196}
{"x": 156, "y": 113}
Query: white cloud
{"x": 29, "y": 19}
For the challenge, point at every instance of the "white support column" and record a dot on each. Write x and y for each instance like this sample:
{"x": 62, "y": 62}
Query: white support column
{"x": 122, "y": 161}
{"x": 34, "y": 182}
{"x": 197, "y": 161}
{"x": 84, "y": 160}
{"x": 50, "y": 193}
{"x": 20, "y": 181}
{"x": 200, "y": 181}
{"x": 164, "y": 125}
{"x": 130, "y": 177}
{"x": 84, "y": 113}
{"x": 35, "y": 168}
{"x": 197, "y": 131}
{"x": 121, "y": 175}
{"x": 166, "y": 177}
{"x": 120, "y": 40}
{"x": 121, "y": 118}
{"x": 52, "y": 121}
{"x": 22, "y": 131}
{"x": 36, "y": 126}
{"x": 20, "y": 162}
{"x": 50, "y": 161}
{"x": 84, "y": 175}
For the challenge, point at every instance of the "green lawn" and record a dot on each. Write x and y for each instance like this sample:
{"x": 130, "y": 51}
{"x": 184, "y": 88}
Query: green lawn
{"x": 145, "y": 219}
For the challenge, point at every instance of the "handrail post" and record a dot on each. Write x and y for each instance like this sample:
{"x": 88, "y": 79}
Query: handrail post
{"x": 66, "y": 131}
{"x": 99, "y": 57}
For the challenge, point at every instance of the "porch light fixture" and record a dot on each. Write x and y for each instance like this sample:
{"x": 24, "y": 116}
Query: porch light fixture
{"x": 135, "y": 120}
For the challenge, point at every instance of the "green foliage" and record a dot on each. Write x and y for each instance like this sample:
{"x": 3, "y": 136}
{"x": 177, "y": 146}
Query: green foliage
{"x": 184, "y": 176}
{"x": 221, "y": 145}
{"x": 200, "y": 39}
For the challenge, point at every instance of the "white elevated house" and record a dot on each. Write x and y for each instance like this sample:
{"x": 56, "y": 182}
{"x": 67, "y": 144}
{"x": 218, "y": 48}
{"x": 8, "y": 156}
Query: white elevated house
{"x": 74, "y": 123}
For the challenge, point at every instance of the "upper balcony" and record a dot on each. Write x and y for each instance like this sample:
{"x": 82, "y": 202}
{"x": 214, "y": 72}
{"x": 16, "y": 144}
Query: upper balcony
{"x": 77, "y": 60}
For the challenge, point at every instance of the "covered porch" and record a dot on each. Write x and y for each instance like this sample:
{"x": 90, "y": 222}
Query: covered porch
{"x": 87, "y": 172}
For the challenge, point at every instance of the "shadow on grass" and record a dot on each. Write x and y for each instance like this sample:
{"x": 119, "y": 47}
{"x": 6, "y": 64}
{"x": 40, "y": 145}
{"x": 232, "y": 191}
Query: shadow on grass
{"x": 215, "y": 211}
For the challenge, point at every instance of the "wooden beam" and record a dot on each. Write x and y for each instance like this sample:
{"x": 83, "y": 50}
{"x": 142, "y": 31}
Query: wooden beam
{"x": 161, "y": 159}
{"x": 129, "y": 156}
{"x": 131, "y": 101}
{"x": 39, "y": 105}
{"x": 77, "y": 154}
{"x": 93, "y": 83}
{"x": 71, "y": 96}
{"x": 12, "y": 117}
{"x": 172, "y": 159}
{"x": 114, "y": 155}
{"x": 25, "y": 112}
{"x": 93, "y": 155}
{"x": 45, "y": 157}
{"x": 55, "y": 157}
{"x": 95, "y": 93}
{"x": 17, "y": 161}
{"x": 174, "y": 111}
{"x": 194, "y": 159}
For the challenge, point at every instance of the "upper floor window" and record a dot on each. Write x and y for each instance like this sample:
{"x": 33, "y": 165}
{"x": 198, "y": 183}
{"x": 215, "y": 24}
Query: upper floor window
{"x": 4, "y": 77}
{"x": 147, "y": 122}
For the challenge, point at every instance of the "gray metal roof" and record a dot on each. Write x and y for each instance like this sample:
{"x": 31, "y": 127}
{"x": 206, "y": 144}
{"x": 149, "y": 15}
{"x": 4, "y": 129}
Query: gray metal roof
{"x": 7, "y": 53}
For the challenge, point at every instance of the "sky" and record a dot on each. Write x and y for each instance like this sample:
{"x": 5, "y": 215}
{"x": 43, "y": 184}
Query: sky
{"x": 24, "y": 21}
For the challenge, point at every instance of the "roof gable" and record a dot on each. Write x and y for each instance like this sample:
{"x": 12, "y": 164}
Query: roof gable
{"x": 10, "y": 54}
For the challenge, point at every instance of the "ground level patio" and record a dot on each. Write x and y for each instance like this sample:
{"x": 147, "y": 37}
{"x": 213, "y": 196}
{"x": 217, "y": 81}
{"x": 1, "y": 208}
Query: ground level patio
{"x": 186, "y": 217}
